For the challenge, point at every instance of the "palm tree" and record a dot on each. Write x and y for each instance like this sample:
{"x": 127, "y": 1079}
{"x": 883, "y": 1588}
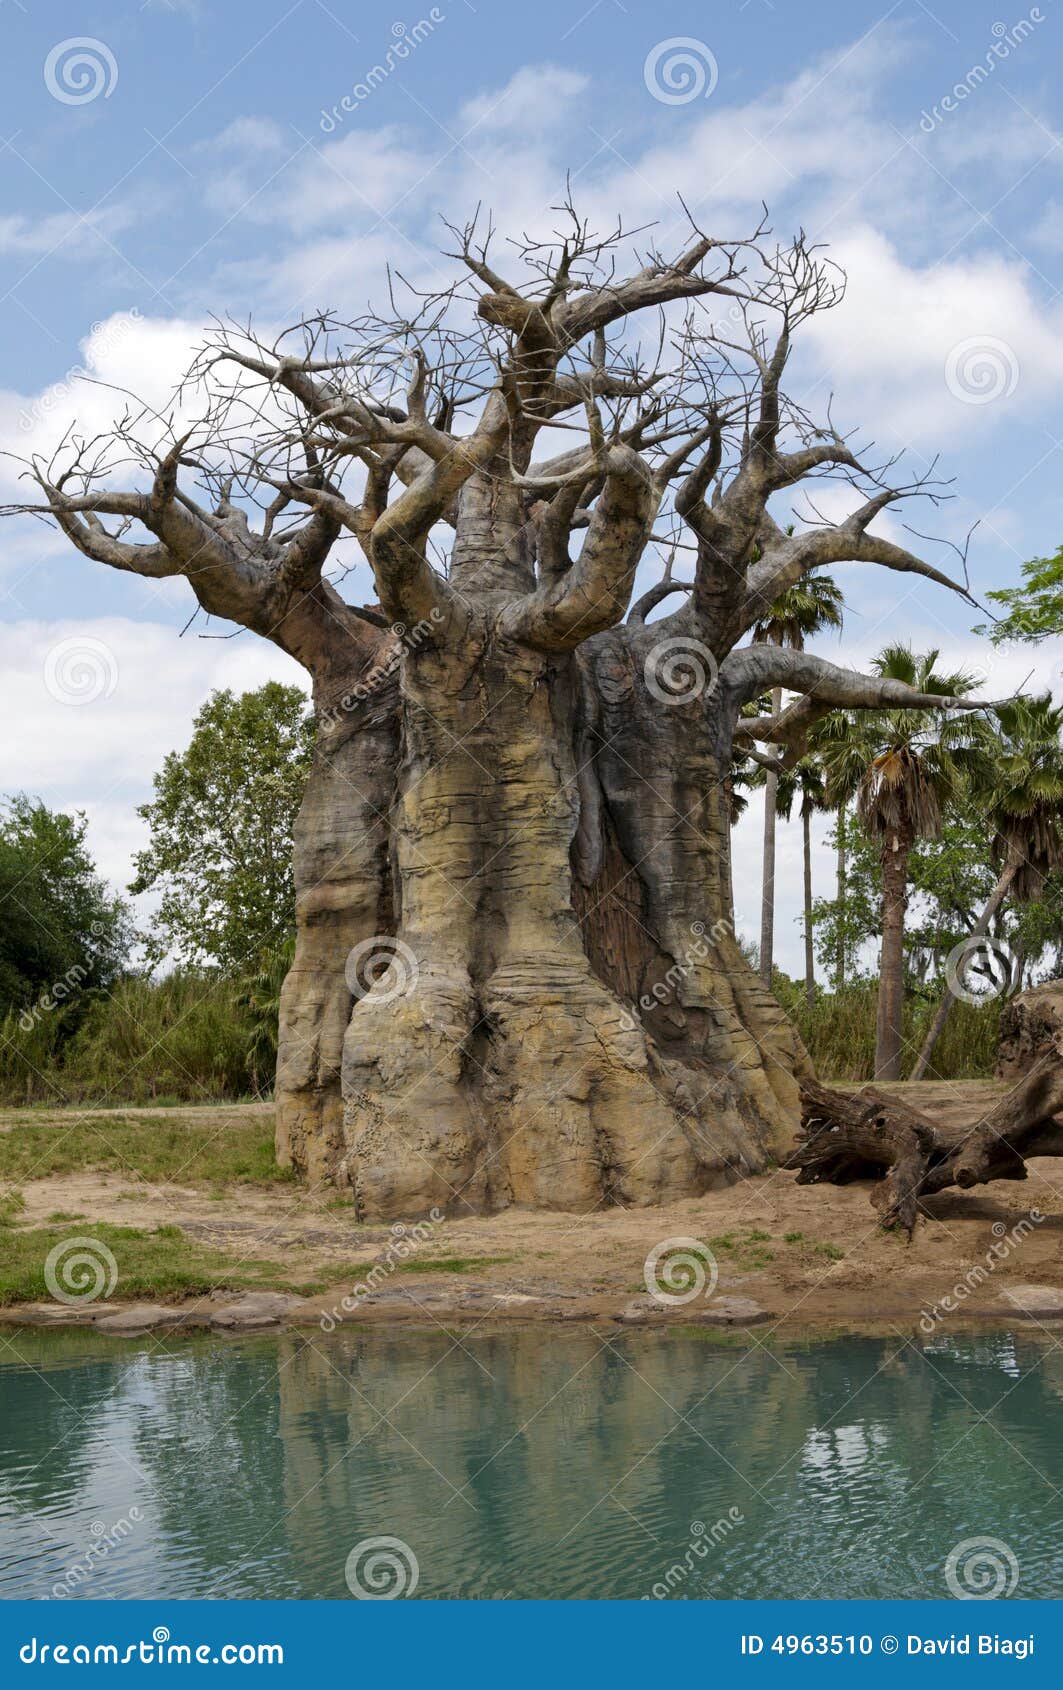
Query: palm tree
{"x": 1023, "y": 801}
{"x": 810, "y": 605}
{"x": 841, "y": 849}
{"x": 902, "y": 767}
{"x": 805, "y": 781}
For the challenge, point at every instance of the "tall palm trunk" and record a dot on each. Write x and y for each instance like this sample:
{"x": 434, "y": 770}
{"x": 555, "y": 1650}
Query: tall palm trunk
{"x": 767, "y": 883}
{"x": 810, "y": 959}
{"x": 889, "y": 1027}
{"x": 980, "y": 928}
{"x": 842, "y": 886}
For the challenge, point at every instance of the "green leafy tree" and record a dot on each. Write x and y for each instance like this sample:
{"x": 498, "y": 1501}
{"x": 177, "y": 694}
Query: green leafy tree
{"x": 1033, "y": 611}
{"x": 950, "y": 879}
{"x": 903, "y": 769}
{"x": 1021, "y": 793}
{"x": 221, "y": 827}
{"x": 63, "y": 933}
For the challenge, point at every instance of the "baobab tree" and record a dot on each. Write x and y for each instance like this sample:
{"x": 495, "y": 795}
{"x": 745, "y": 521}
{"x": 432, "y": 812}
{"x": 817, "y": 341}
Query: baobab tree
{"x": 516, "y": 977}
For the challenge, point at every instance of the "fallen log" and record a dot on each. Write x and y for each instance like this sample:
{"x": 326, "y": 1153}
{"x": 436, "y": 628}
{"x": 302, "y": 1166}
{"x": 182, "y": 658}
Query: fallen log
{"x": 876, "y": 1135}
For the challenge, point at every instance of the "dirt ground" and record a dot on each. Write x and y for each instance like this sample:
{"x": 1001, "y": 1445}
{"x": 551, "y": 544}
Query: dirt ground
{"x": 785, "y": 1254}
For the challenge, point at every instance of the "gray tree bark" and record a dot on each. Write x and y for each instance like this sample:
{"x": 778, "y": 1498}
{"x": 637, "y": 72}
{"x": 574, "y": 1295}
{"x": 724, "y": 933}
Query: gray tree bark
{"x": 516, "y": 975}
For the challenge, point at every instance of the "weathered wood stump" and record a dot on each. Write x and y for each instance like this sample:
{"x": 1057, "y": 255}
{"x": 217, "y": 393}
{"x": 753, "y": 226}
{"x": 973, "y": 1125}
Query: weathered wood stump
{"x": 875, "y": 1135}
{"x": 1027, "y": 1024}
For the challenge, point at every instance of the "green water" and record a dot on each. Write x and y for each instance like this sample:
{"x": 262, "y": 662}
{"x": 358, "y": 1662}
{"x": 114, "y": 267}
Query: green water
{"x": 550, "y": 1463}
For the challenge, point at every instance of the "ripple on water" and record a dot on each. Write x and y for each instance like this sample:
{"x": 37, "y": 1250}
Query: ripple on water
{"x": 526, "y": 1463}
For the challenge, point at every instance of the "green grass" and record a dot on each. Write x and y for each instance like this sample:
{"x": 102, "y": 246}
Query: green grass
{"x": 161, "y": 1264}
{"x": 11, "y": 1205}
{"x": 187, "y": 1038}
{"x": 152, "y": 1148}
{"x": 839, "y": 1033}
{"x": 448, "y": 1264}
{"x": 744, "y": 1250}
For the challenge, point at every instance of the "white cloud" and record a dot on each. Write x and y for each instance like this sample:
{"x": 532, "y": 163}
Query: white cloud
{"x": 934, "y": 353}
{"x": 532, "y": 100}
{"x": 140, "y": 686}
{"x": 64, "y": 234}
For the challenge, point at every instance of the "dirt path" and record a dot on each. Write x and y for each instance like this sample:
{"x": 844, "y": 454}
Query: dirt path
{"x": 801, "y": 1255}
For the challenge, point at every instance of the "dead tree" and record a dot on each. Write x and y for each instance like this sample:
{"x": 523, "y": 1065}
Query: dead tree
{"x": 875, "y": 1135}
{"x": 519, "y": 802}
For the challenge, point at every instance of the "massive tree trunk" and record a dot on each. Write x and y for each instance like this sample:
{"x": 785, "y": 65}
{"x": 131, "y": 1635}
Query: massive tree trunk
{"x": 537, "y": 846}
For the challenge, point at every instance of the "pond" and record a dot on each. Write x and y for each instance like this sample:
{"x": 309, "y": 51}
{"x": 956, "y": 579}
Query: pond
{"x": 531, "y": 1462}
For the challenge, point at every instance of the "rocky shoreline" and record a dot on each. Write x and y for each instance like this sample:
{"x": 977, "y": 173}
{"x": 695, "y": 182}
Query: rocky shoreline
{"x": 260, "y": 1311}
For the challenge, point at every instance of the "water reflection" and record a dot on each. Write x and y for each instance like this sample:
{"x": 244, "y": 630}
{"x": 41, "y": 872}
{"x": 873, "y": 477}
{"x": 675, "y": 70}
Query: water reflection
{"x": 553, "y": 1462}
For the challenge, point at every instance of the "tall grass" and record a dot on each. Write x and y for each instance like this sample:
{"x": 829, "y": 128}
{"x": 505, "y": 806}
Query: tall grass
{"x": 839, "y": 1033}
{"x": 191, "y": 1037}
{"x": 200, "y": 1038}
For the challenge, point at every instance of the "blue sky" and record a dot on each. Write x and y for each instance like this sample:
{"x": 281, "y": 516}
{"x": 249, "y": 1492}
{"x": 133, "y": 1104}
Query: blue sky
{"x": 203, "y": 177}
